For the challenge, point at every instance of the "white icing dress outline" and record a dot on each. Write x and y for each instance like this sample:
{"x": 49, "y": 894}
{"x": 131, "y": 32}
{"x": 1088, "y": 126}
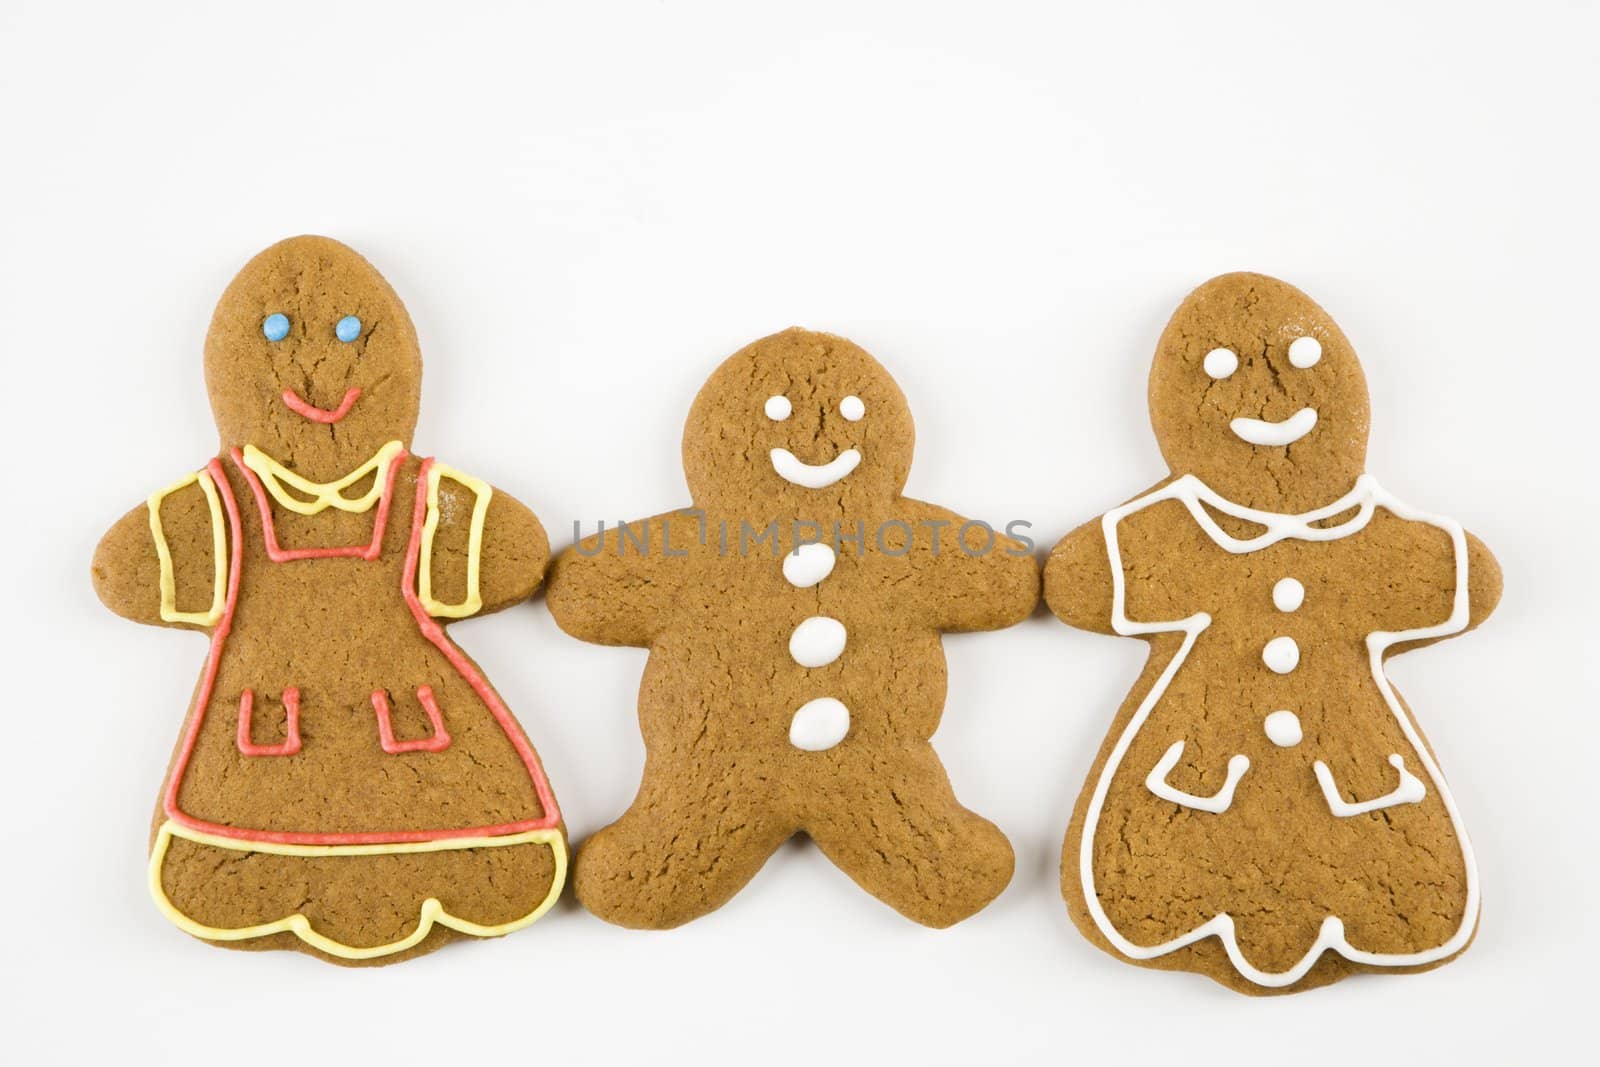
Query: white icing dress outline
{"x": 1409, "y": 791}
{"x": 1365, "y": 497}
{"x": 1216, "y": 803}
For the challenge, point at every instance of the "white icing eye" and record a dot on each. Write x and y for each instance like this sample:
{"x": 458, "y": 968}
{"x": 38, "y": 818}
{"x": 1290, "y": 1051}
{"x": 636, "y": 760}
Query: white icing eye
{"x": 778, "y": 408}
{"x": 852, "y": 408}
{"x": 1221, "y": 362}
{"x": 1305, "y": 351}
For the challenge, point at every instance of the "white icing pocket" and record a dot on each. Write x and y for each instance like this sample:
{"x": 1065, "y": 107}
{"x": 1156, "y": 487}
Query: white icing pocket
{"x": 778, "y": 408}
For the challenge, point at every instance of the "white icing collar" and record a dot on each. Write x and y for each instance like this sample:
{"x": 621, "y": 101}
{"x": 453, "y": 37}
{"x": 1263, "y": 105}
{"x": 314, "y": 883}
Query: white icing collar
{"x": 1193, "y": 492}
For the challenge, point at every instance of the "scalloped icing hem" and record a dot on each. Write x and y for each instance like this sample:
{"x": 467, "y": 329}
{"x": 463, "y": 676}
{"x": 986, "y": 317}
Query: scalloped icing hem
{"x": 431, "y": 912}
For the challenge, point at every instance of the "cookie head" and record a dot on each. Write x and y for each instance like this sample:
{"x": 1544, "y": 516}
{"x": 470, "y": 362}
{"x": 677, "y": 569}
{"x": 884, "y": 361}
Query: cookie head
{"x": 798, "y": 419}
{"x": 1255, "y": 390}
{"x": 311, "y": 357}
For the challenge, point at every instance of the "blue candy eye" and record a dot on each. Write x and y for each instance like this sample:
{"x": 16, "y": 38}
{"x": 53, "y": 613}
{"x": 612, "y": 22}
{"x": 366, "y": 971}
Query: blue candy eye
{"x": 348, "y": 329}
{"x": 275, "y": 327}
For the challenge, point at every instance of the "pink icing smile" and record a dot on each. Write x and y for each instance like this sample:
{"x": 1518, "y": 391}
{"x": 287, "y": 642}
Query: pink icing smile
{"x": 315, "y": 414}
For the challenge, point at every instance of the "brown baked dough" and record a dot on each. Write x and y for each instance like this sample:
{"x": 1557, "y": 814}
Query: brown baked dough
{"x": 325, "y": 834}
{"x": 1278, "y": 859}
{"x": 724, "y": 784}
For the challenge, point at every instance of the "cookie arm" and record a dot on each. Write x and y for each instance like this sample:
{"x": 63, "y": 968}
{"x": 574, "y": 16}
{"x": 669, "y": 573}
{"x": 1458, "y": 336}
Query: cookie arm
{"x": 980, "y": 585}
{"x": 1483, "y": 580}
{"x": 516, "y": 552}
{"x": 1431, "y": 572}
{"x": 163, "y": 563}
{"x": 482, "y": 550}
{"x": 1077, "y": 579}
{"x": 614, "y": 588}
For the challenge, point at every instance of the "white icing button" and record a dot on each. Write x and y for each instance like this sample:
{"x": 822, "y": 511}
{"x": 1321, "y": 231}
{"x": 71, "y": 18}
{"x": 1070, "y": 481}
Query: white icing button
{"x": 1288, "y": 595}
{"x": 778, "y": 408}
{"x": 808, "y": 564}
{"x": 1221, "y": 362}
{"x": 1283, "y": 729}
{"x": 1305, "y": 351}
{"x": 817, "y": 641}
{"x": 1282, "y": 655}
{"x": 852, "y": 408}
{"x": 819, "y": 724}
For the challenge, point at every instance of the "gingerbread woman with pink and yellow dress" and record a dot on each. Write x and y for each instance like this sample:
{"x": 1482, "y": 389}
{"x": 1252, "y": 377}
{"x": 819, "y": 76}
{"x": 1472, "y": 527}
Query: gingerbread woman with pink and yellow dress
{"x": 347, "y": 781}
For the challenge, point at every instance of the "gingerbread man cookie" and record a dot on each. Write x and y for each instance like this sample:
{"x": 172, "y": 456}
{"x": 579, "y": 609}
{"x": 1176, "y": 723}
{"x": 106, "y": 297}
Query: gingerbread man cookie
{"x": 1265, "y": 809}
{"x": 795, "y": 673}
{"x": 347, "y": 781}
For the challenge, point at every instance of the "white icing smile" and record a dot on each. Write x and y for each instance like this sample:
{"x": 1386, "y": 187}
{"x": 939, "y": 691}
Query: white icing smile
{"x": 810, "y": 475}
{"x": 1287, "y": 432}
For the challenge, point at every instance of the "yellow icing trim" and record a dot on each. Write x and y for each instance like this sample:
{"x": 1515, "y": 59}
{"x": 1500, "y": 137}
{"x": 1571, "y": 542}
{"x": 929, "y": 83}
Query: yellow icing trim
{"x": 219, "y": 552}
{"x": 480, "y": 508}
{"x": 431, "y": 912}
{"x": 323, "y": 494}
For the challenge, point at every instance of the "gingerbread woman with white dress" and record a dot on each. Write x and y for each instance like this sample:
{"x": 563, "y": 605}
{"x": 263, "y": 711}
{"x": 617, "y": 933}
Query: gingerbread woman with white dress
{"x": 796, "y": 673}
{"x": 1265, "y": 809}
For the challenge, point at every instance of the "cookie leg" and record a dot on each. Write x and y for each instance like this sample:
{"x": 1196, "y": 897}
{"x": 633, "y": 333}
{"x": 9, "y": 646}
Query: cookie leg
{"x": 682, "y": 850}
{"x": 893, "y": 824}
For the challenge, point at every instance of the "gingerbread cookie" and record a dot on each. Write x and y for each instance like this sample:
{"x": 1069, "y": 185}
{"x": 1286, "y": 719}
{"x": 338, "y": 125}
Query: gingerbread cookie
{"x": 1265, "y": 809}
{"x": 347, "y": 781}
{"x": 795, "y": 673}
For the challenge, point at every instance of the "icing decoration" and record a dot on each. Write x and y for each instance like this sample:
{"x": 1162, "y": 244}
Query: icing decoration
{"x": 1281, "y": 655}
{"x": 1288, "y": 595}
{"x": 188, "y": 826}
{"x": 819, "y": 724}
{"x": 808, "y": 564}
{"x": 817, "y": 641}
{"x": 219, "y": 552}
{"x": 852, "y": 408}
{"x": 1366, "y": 497}
{"x": 291, "y": 726}
{"x": 1217, "y": 803}
{"x": 813, "y": 476}
{"x": 327, "y": 416}
{"x": 1279, "y": 434}
{"x": 275, "y": 327}
{"x": 323, "y": 494}
{"x": 1305, "y": 352}
{"x": 347, "y": 329}
{"x": 382, "y": 484}
{"x": 1409, "y": 791}
{"x": 432, "y": 911}
{"x": 1221, "y": 363}
{"x": 1283, "y": 729}
{"x": 778, "y": 408}
{"x": 480, "y": 508}
{"x": 438, "y": 742}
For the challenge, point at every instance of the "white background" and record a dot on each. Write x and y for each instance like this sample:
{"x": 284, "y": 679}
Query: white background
{"x": 586, "y": 209}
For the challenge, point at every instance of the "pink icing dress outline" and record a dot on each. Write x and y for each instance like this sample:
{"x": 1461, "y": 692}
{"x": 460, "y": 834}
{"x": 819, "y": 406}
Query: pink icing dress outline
{"x": 429, "y": 629}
